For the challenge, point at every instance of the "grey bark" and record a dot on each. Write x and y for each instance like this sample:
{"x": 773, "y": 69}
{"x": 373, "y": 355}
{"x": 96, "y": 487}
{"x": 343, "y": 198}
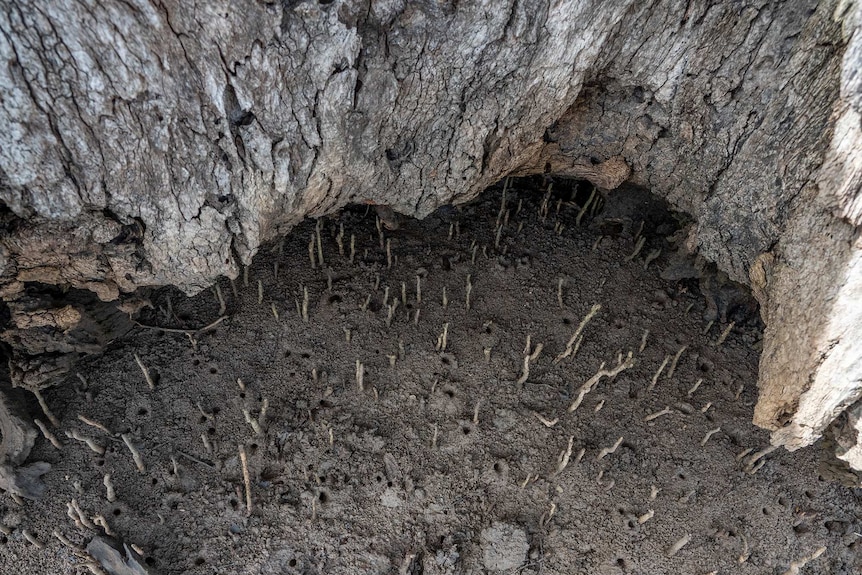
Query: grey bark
{"x": 161, "y": 143}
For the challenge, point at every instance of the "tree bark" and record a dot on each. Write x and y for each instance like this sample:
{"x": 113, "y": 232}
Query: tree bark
{"x": 161, "y": 143}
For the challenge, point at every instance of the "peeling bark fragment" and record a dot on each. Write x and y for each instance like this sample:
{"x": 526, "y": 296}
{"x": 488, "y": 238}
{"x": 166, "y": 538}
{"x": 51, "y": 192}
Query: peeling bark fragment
{"x": 16, "y": 440}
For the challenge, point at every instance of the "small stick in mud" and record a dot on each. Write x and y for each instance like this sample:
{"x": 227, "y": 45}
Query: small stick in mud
{"x": 103, "y": 523}
{"x": 655, "y": 377}
{"x": 445, "y": 299}
{"x": 111, "y": 494}
{"x": 47, "y": 433}
{"x": 385, "y": 295}
{"x": 605, "y": 451}
{"x": 352, "y": 247}
{"x": 339, "y": 239}
{"x": 347, "y": 334}
{"x": 259, "y": 292}
{"x": 311, "y": 252}
{"x": 643, "y": 341}
{"x": 476, "y": 412}
{"x": 694, "y": 387}
{"x": 442, "y": 339}
{"x": 136, "y": 455}
{"x": 145, "y": 371}
{"x": 73, "y": 509}
{"x": 45, "y": 409}
{"x": 796, "y": 566}
{"x": 675, "y": 361}
{"x": 588, "y": 386}
{"x": 487, "y": 352}
{"x": 95, "y": 424}
{"x": 651, "y": 257}
{"x": 245, "y": 276}
{"x": 583, "y": 209}
{"x": 418, "y": 289}
{"x": 207, "y": 444}
{"x": 565, "y": 455}
{"x": 638, "y": 246}
{"x": 403, "y": 293}
{"x": 222, "y": 306}
{"x": 274, "y": 311}
{"x": 257, "y": 424}
{"x": 317, "y": 228}
{"x": 750, "y": 465}
{"x": 434, "y": 437}
{"x": 305, "y": 304}
{"x": 473, "y": 254}
{"x": 246, "y": 478}
{"x": 32, "y": 539}
{"x": 646, "y": 517}
{"x": 91, "y": 443}
{"x": 680, "y": 543}
{"x": 575, "y": 341}
{"x": 388, "y": 253}
{"x": 658, "y": 414}
{"x": 545, "y": 421}
{"x": 360, "y": 375}
{"x": 364, "y": 305}
{"x": 65, "y": 541}
{"x": 709, "y": 434}
{"x": 379, "y": 224}
{"x": 528, "y": 357}
{"x": 724, "y": 334}
{"x": 468, "y": 291}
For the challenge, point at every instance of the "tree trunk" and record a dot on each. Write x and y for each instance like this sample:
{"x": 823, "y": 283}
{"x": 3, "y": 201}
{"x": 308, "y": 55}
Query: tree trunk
{"x": 161, "y": 143}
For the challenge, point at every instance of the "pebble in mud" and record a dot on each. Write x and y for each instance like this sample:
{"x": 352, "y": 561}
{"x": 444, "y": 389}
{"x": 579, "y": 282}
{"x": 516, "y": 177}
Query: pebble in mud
{"x": 504, "y": 547}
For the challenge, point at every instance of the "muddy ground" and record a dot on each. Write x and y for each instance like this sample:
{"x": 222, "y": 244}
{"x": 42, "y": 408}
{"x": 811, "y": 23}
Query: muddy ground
{"x": 446, "y": 459}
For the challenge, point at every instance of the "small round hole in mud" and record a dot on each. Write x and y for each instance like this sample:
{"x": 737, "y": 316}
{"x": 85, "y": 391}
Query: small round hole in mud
{"x": 150, "y": 561}
{"x": 323, "y": 497}
{"x": 213, "y": 370}
{"x": 200, "y": 561}
{"x": 449, "y": 393}
{"x": 292, "y": 563}
{"x": 117, "y": 512}
{"x": 211, "y": 431}
{"x": 143, "y": 411}
{"x": 334, "y": 298}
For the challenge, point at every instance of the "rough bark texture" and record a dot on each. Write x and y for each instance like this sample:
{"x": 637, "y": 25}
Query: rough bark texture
{"x": 156, "y": 143}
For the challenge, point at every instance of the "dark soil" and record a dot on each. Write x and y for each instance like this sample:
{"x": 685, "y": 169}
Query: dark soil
{"x": 440, "y": 464}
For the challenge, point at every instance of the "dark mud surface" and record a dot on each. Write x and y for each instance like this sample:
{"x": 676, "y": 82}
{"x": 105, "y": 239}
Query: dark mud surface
{"x": 446, "y": 460}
